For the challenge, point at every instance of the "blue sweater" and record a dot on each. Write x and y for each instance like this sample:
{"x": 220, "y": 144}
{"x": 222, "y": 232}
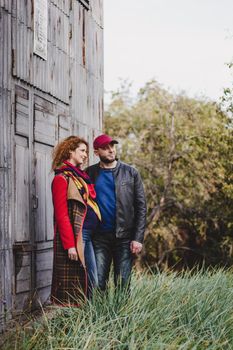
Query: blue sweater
{"x": 106, "y": 199}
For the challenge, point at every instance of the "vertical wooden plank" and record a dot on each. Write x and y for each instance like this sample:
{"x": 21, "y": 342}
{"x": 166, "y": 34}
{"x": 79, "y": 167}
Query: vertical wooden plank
{"x": 1, "y": 47}
{"x": 96, "y": 7}
{"x": 5, "y": 166}
{"x": 43, "y": 220}
{"x": 40, "y": 182}
{"x": 22, "y": 210}
{"x": 43, "y": 178}
{"x": 2, "y": 297}
{"x": 6, "y": 50}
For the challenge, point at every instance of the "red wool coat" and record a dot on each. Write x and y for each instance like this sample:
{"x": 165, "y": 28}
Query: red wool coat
{"x": 69, "y": 281}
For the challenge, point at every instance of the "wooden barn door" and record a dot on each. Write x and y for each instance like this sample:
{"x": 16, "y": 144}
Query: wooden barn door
{"x": 22, "y": 230}
{"x": 39, "y": 124}
{"x": 45, "y": 132}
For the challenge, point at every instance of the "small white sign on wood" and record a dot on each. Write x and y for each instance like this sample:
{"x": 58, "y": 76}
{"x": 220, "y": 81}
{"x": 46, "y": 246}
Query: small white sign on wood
{"x": 40, "y": 28}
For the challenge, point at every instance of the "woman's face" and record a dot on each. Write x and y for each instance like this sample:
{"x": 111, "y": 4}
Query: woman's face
{"x": 79, "y": 155}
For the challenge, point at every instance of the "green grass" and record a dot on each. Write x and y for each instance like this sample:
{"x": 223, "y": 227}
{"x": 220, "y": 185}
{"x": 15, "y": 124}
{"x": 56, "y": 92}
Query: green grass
{"x": 164, "y": 311}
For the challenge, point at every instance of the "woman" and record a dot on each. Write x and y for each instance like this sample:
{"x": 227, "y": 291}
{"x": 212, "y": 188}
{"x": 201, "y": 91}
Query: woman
{"x": 76, "y": 215}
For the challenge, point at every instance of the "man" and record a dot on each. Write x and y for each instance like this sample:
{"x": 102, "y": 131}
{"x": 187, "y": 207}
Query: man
{"x": 122, "y": 203}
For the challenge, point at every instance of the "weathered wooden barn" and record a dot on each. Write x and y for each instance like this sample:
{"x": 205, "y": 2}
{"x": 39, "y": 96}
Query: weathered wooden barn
{"x": 51, "y": 86}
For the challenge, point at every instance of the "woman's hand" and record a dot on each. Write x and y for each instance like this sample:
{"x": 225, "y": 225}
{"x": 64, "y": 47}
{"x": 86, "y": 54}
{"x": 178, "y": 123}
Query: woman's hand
{"x": 72, "y": 254}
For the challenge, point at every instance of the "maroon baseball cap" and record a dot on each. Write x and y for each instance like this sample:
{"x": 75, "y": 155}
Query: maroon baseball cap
{"x": 103, "y": 140}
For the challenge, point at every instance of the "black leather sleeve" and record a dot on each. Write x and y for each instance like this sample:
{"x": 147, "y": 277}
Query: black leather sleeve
{"x": 140, "y": 208}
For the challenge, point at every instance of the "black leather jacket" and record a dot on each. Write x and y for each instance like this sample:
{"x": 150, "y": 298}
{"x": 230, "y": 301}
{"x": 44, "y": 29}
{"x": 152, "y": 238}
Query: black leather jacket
{"x": 130, "y": 201}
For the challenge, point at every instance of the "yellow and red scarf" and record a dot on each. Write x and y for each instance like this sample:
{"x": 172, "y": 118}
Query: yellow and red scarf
{"x": 82, "y": 182}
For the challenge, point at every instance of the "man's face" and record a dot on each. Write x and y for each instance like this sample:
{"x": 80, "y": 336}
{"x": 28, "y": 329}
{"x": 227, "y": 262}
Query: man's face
{"x": 107, "y": 154}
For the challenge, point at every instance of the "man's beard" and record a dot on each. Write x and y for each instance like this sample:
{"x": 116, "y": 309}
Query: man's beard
{"x": 106, "y": 160}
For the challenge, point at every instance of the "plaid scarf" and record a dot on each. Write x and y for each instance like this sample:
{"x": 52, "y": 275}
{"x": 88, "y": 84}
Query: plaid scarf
{"x": 82, "y": 182}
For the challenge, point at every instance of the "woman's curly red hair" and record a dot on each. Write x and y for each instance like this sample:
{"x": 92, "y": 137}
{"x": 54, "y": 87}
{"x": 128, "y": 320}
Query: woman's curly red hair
{"x": 62, "y": 150}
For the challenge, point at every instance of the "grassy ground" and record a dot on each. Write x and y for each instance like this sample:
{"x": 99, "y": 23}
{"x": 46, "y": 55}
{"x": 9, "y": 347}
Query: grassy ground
{"x": 164, "y": 311}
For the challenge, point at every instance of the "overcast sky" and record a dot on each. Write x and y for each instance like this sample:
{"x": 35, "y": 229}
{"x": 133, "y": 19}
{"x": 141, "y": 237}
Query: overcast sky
{"x": 184, "y": 44}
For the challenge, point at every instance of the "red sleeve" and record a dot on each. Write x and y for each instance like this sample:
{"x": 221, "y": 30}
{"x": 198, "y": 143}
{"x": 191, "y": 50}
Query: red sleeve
{"x": 59, "y": 192}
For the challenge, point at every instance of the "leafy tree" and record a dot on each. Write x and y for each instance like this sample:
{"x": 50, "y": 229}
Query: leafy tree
{"x": 184, "y": 151}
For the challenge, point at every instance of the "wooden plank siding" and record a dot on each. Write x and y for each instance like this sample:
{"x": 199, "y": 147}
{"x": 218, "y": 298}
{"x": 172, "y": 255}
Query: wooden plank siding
{"x": 6, "y": 261}
{"x": 41, "y": 102}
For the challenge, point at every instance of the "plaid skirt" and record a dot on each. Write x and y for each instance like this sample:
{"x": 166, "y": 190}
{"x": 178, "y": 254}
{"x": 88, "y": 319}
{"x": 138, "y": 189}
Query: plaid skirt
{"x": 69, "y": 282}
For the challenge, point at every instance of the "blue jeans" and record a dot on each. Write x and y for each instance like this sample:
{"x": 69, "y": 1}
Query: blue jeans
{"x": 90, "y": 260}
{"x": 108, "y": 250}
